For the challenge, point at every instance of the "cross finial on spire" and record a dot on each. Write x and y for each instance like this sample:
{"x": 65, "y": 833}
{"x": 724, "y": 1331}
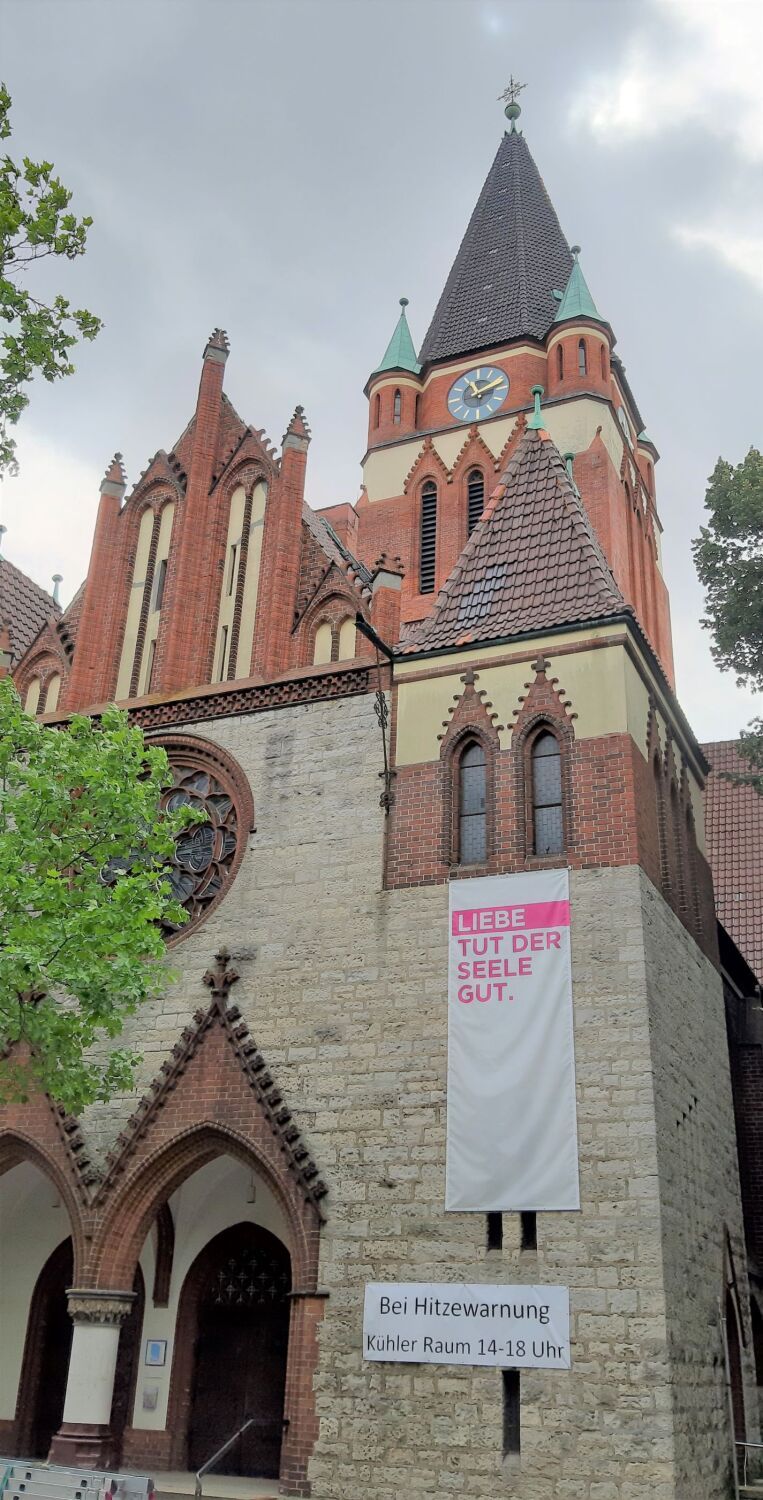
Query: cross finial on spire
{"x": 510, "y": 97}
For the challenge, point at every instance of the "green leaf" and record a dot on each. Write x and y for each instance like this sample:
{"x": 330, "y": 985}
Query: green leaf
{"x": 35, "y": 222}
{"x": 79, "y": 954}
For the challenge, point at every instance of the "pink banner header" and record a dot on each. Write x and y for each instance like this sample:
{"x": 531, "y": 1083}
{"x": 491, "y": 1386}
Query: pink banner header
{"x": 510, "y": 918}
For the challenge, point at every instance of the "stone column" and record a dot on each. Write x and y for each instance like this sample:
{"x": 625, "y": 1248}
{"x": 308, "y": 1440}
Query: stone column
{"x": 84, "y": 1439}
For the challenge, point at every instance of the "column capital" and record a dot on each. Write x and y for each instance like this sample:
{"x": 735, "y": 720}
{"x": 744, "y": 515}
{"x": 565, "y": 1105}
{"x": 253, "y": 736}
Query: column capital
{"x": 100, "y": 1305}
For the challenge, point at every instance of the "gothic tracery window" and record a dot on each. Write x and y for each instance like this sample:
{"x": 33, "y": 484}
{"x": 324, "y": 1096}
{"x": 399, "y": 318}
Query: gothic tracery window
{"x": 204, "y": 853}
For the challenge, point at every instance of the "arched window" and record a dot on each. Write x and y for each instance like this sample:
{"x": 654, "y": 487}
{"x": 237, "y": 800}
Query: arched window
{"x": 416, "y": 411}
{"x": 377, "y": 409}
{"x": 582, "y": 359}
{"x": 650, "y": 478}
{"x": 659, "y": 802}
{"x": 323, "y": 644}
{"x": 51, "y": 697}
{"x": 396, "y": 407}
{"x": 428, "y": 548}
{"x": 678, "y": 871}
{"x": 560, "y": 361}
{"x": 346, "y": 640}
{"x": 548, "y": 830}
{"x": 32, "y": 696}
{"x": 472, "y": 815}
{"x": 475, "y": 499}
{"x": 603, "y": 353}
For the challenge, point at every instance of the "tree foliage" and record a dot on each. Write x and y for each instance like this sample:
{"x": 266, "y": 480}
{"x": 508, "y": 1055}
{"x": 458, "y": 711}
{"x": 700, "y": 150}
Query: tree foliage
{"x": 729, "y": 558}
{"x": 35, "y": 223}
{"x": 84, "y": 857}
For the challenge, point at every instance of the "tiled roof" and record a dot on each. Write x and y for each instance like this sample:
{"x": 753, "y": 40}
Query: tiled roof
{"x": 734, "y": 829}
{"x": 24, "y": 607}
{"x": 576, "y": 301}
{"x": 512, "y": 258}
{"x": 400, "y": 353}
{"x": 532, "y": 563}
{"x": 324, "y": 534}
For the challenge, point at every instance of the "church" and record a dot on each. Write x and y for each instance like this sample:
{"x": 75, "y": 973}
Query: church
{"x": 465, "y": 677}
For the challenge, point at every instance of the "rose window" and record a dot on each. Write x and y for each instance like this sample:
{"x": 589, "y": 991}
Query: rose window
{"x": 204, "y": 853}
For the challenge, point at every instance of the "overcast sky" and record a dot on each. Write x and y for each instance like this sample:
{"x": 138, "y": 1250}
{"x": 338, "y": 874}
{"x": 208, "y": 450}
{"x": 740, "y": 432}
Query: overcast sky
{"x": 288, "y": 169}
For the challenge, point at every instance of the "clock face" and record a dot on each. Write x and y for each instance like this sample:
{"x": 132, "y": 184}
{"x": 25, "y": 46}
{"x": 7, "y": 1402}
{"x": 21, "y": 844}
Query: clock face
{"x": 478, "y": 393}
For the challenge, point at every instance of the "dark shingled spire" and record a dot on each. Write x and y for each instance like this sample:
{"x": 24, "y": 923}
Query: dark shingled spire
{"x": 532, "y": 563}
{"x": 513, "y": 255}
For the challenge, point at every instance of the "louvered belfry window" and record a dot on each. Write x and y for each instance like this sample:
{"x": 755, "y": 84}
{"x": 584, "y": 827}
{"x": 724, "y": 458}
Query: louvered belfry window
{"x": 428, "y": 537}
{"x": 547, "y": 795}
{"x": 475, "y": 499}
{"x": 472, "y": 800}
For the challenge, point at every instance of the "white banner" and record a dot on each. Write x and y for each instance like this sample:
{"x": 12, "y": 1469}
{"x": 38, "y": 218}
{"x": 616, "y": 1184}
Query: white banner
{"x": 448, "y": 1323}
{"x": 512, "y": 1132}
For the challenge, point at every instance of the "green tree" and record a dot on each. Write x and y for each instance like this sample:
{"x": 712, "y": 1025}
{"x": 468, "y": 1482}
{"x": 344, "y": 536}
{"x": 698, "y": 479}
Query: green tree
{"x": 84, "y": 856}
{"x": 35, "y": 223}
{"x": 729, "y": 558}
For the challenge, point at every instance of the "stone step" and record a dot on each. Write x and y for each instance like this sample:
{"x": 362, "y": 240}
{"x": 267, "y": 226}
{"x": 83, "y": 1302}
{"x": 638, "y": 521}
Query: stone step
{"x": 215, "y": 1487}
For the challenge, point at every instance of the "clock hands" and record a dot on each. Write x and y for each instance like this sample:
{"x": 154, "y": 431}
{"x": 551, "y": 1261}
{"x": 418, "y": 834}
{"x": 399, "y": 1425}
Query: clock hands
{"x": 478, "y": 391}
{"x": 483, "y": 389}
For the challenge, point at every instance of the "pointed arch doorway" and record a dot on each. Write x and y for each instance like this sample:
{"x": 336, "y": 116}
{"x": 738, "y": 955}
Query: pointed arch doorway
{"x": 230, "y": 1353}
{"x": 42, "y": 1389}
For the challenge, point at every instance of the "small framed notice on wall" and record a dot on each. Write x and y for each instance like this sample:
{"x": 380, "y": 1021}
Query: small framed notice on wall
{"x": 156, "y": 1351}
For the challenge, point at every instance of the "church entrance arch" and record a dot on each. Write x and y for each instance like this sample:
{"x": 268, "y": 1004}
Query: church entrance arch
{"x": 48, "y": 1345}
{"x": 231, "y": 1351}
{"x": 42, "y": 1389}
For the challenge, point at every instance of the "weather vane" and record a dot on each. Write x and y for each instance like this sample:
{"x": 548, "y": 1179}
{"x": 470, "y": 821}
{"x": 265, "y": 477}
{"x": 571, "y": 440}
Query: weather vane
{"x": 510, "y": 97}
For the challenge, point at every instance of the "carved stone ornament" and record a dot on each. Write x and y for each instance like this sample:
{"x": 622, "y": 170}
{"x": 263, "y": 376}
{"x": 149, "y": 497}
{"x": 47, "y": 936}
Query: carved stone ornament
{"x": 91, "y": 1305}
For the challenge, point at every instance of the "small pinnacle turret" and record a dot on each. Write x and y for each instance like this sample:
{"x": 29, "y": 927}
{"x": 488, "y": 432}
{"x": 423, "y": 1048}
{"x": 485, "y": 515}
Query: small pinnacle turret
{"x": 576, "y": 300}
{"x": 400, "y": 353}
{"x": 536, "y": 422}
{"x": 114, "y": 481}
{"x": 58, "y": 579}
{"x": 218, "y": 346}
{"x": 297, "y": 434}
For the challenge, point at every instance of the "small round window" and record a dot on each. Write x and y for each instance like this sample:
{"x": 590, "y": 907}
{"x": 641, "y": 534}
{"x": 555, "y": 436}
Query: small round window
{"x": 207, "y": 855}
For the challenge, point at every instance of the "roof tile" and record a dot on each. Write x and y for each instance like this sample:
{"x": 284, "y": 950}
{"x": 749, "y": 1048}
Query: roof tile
{"x": 24, "y": 607}
{"x": 532, "y": 563}
{"x": 512, "y": 257}
{"x": 734, "y": 830}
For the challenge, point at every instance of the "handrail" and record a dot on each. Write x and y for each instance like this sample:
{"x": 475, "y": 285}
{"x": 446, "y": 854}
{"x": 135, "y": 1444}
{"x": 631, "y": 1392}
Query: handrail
{"x": 210, "y": 1463}
{"x": 745, "y": 1446}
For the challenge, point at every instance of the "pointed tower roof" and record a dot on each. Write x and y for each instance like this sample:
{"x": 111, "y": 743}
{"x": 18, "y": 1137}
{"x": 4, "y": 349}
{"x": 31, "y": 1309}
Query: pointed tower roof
{"x": 532, "y": 563}
{"x": 576, "y": 300}
{"x": 400, "y": 353}
{"x": 501, "y": 285}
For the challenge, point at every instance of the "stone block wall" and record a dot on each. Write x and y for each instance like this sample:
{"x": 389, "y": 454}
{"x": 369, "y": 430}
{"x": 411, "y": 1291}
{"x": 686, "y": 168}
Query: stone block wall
{"x": 343, "y": 986}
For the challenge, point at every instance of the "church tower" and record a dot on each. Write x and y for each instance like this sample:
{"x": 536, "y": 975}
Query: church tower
{"x": 515, "y": 321}
{"x": 447, "y": 709}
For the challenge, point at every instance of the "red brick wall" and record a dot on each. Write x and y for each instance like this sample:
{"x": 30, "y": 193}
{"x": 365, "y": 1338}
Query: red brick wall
{"x": 611, "y": 819}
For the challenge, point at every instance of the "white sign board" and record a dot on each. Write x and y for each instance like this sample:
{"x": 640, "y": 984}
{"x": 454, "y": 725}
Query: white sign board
{"x": 451, "y": 1323}
{"x": 512, "y": 1131}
